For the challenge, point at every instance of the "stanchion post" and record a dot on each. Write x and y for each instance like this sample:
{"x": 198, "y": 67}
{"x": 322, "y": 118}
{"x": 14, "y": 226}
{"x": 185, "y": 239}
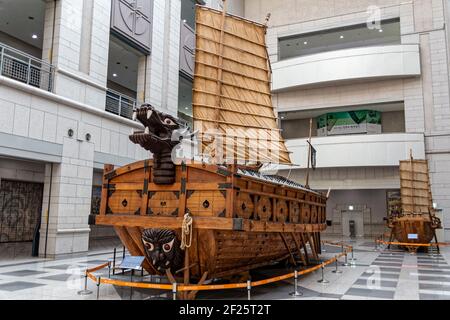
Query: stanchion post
{"x": 131, "y": 288}
{"x": 346, "y": 264}
{"x": 336, "y": 265}
{"x": 296, "y": 293}
{"x": 323, "y": 280}
{"x": 353, "y": 259}
{"x": 109, "y": 269}
{"x": 85, "y": 291}
{"x": 98, "y": 287}
{"x": 174, "y": 291}
{"x": 114, "y": 261}
{"x": 249, "y": 290}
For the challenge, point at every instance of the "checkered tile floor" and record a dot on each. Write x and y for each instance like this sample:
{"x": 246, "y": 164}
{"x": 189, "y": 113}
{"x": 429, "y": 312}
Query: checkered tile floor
{"x": 375, "y": 275}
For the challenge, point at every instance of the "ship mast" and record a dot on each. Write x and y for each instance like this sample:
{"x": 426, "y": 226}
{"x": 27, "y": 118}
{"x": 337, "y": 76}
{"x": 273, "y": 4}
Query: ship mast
{"x": 309, "y": 153}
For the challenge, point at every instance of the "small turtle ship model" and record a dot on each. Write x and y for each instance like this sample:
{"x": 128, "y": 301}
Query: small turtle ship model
{"x": 416, "y": 222}
{"x": 204, "y": 220}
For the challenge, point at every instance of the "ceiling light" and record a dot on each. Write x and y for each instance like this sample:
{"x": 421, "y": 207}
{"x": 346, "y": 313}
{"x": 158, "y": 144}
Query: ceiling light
{"x": 306, "y": 42}
{"x": 34, "y": 36}
{"x": 114, "y": 75}
{"x": 381, "y": 30}
{"x": 351, "y": 208}
{"x": 342, "y": 37}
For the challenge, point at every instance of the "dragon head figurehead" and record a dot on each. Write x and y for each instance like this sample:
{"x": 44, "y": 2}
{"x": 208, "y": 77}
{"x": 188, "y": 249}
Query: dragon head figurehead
{"x": 159, "y": 130}
{"x": 162, "y": 133}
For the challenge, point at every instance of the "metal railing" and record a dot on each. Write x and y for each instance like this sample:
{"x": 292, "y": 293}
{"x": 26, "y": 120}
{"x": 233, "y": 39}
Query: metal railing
{"x": 120, "y": 104}
{"x": 20, "y": 66}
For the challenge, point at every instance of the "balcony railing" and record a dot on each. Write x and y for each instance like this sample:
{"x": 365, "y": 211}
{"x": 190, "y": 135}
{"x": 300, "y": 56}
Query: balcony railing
{"x": 120, "y": 104}
{"x": 25, "y": 68}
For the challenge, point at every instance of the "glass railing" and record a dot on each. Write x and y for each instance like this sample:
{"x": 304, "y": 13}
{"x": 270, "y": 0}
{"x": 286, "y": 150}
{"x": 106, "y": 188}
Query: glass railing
{"x": 120, "y": 104}
{"x": 20, "y": 66}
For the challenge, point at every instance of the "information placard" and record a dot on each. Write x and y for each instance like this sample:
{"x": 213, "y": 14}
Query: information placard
{"x": 130, "y": 262}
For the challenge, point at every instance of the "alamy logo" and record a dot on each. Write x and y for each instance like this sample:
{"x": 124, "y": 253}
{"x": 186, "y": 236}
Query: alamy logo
{"x": 374, "y": 19}
{"x": 374, "y": 280}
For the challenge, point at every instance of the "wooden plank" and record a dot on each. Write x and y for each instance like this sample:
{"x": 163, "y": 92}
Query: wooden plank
{"x": 288, "y": 249}
{"x": 297, "y": 245}
{"x": 209, "y": 223}
{"x": 104, "y": 201}
{"x": 272, "y": 195}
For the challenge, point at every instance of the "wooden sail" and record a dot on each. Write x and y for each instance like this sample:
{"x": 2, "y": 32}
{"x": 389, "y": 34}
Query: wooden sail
{"x": 232, "y": 99}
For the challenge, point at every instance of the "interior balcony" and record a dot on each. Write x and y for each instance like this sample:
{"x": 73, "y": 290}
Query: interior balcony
{"x": 347, "y": 66}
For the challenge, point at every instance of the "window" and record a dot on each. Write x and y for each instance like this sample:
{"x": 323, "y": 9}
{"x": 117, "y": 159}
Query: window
{"x": 340, "y": 38}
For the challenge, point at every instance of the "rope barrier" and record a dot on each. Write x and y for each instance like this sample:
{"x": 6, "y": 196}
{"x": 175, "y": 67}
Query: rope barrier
{"x": 407, "y": 244}
{"x": 181, "y": 287}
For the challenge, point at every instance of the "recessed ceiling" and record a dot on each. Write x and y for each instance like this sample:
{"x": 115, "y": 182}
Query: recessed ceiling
{"x": 23, "y": 18}
{"x": 340, "y": 38}
{"x": 123, "y": 63}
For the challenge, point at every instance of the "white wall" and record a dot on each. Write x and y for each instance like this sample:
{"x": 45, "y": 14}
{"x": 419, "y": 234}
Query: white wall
{"x": 358, "y": 150}
{"x": 21, "y": 170}
{"x": 348, "y": 178}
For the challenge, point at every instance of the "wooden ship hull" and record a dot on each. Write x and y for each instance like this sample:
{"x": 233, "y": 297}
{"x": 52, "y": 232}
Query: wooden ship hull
{"x": 416, "y": 223}
{"x": 240, "y": 222}
{"x": 405, "y": 226}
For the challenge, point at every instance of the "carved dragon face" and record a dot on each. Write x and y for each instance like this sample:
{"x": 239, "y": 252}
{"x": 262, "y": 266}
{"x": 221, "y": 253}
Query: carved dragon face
{"x": 162, "y": 249}
{"x": 160, "y": 130}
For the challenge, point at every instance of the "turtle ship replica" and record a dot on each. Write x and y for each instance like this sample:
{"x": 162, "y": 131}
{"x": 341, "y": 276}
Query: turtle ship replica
{"x": 200, "y": 220}
{"x": 416, "y": 222}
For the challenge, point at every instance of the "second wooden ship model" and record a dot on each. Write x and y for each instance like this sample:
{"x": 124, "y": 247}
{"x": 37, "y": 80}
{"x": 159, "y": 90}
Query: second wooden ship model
{"x": 201, "y": 220}
{"x": 416, "y": 222}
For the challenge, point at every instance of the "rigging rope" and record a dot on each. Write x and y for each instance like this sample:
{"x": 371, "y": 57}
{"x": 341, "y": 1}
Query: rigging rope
{"x": 186, "y": 232}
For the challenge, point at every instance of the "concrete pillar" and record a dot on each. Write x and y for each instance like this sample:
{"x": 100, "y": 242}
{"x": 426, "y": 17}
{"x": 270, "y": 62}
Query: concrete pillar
{"x": 80, "y": 53}
{"x": 70, "y": 201}
{"x": 158, "y": 73}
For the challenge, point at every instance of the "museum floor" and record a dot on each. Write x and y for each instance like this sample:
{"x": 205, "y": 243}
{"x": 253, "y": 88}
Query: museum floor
{"x": 377, "y": 274}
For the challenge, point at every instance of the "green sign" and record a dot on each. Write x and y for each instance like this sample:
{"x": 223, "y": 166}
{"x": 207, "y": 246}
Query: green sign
{"x": 350, "y": 122}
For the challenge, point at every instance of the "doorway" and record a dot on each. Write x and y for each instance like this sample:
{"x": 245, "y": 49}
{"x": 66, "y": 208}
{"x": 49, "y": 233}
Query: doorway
{"x": 356, "y": 218}
{"x": 20, "y": 215}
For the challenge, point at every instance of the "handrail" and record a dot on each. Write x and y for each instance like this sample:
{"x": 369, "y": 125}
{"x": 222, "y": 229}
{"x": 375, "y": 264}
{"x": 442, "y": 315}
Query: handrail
{"x": 120, "y": 104}
{"x": 23, "y": 67}
{"x": 181, "y": 287}
{"x": 26, "y": 55}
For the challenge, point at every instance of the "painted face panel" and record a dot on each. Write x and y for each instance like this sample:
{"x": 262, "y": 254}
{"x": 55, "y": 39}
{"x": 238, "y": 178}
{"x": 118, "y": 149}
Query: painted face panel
{"x": 162, "y": 249}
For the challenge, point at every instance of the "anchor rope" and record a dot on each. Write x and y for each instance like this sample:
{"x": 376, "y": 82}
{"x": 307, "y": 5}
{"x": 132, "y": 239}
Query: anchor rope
{"x": 186, "y": 232}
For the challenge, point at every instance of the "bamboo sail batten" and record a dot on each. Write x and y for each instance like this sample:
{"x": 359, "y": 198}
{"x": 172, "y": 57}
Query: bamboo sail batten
{"x": 416, "y": 195}
{"x": 231, "y": 91}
